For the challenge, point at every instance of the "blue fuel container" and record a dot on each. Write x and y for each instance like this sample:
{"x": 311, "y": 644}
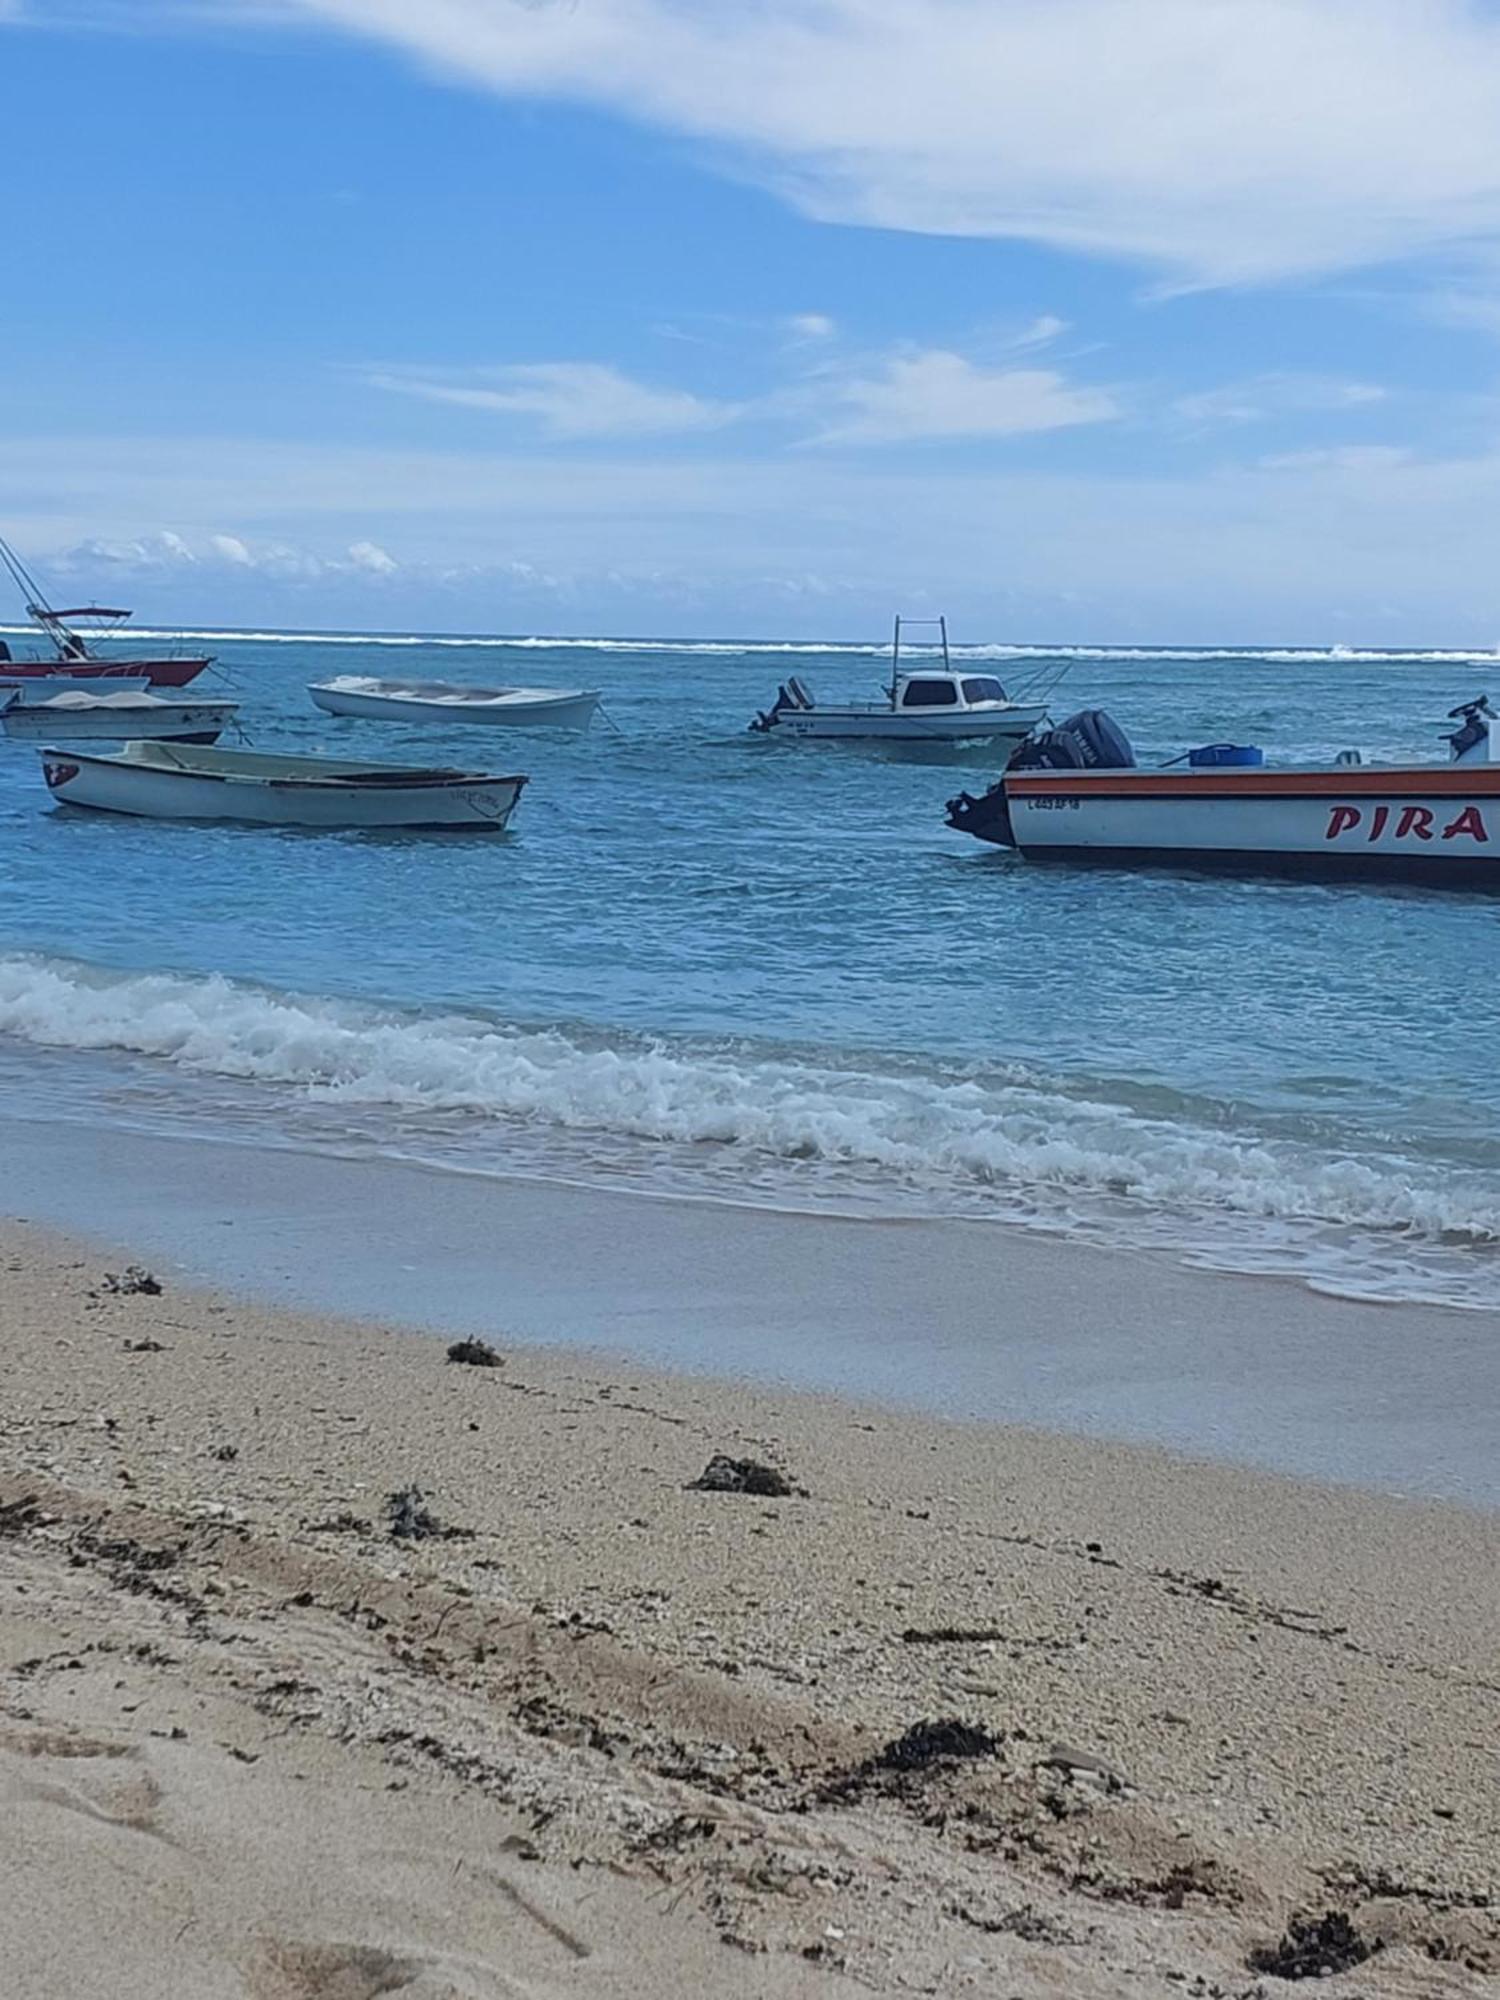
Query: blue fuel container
{"x": 1226, "y": 753}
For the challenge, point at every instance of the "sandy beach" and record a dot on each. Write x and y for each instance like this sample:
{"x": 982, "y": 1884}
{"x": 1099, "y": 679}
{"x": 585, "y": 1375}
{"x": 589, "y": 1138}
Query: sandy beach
{"x": 969, "y": 1709}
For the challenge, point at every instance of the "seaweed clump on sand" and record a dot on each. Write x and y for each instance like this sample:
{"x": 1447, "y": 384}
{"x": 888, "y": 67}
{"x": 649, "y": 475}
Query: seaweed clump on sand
{"x": 723, "y": 1474}
{"x": 926, "y": 1749}
{"x": 1314, "y": 1948}
{"x": 475, "y": 1354}
{"x": 410, "y": 1519}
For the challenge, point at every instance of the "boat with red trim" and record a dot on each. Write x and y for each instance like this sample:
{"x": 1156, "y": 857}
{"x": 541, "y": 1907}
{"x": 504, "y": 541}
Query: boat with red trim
{"x": 1076, "y": 793}
{"x": 72, "y": 655}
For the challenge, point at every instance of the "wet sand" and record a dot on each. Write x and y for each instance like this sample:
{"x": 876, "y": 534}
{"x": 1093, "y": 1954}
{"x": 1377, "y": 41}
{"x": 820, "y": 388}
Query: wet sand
{"x": 957, "y": 1318}
{"x": 604, "y": 1733}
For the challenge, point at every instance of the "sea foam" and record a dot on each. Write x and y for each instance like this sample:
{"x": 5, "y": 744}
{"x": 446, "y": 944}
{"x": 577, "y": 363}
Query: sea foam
{"x": 741, "y": 1121}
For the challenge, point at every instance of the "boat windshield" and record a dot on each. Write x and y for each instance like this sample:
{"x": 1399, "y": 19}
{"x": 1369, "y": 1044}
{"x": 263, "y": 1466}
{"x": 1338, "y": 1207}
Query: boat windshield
{"x": 930, "y": 694}
{"x": 983, "y": 687}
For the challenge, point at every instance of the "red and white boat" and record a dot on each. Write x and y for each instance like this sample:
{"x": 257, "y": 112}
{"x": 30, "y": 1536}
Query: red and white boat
{"x": 71, "y": 655}
{"x": 1076, "y": 794}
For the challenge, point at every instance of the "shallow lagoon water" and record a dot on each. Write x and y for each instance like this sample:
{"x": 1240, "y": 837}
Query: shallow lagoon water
{"x": 709, "y": 964}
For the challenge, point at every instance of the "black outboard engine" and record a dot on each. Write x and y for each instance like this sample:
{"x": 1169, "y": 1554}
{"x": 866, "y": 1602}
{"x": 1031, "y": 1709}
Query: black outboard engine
{"x": 793, "y": 695}
{"x": 1088, "y": 741}
{"x": 1476, "y": 717}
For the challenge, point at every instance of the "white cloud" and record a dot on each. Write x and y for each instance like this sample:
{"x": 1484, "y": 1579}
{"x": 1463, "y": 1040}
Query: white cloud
{"x": 232, "y": 550}
{"x": 937, "y": 394}
{"x": 1219, "y": 140}
{"x": 1046, "y": 327}
{"x": 1265, "y": 396}
{"x": 1340, "y": 458}
{"x": 370, "y": 557}
{"x": 572, "y": 399}
{"x": 811, "y": 326}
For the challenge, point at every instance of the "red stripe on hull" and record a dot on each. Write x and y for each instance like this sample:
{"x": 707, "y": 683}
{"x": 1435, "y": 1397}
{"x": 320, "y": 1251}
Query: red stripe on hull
{"x": 161, "y": 673}
{"x": 1440, "y": 781}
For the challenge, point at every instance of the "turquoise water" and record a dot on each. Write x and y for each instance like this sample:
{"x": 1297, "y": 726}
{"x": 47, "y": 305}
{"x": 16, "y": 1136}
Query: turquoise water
{"x": 713, "y": 965}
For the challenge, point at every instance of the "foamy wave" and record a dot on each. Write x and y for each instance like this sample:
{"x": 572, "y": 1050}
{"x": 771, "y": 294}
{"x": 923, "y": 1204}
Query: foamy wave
{"x": 830, "y": 648}
{"x": 1003, "y": 1144}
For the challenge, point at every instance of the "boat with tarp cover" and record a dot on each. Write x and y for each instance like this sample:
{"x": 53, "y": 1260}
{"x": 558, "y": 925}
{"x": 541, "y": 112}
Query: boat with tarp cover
{"x": 72, "y": 646}
{"x": 1076, "y": 793}
{"x": 171, "y": 781}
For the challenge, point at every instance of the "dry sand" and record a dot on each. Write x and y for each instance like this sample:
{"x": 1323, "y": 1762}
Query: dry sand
{"x": 616, "y": 1736}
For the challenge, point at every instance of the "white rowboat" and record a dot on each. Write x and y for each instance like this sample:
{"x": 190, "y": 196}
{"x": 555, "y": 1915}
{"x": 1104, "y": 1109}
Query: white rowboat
{"x": 453, "y": 701}
{"x": 166, "y": 781}
{"x": 117, "y": 718}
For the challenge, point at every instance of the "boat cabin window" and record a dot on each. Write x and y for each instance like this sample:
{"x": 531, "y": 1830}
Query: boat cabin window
{"x": 929, "y": 694}
{"x": 983, "y": 688}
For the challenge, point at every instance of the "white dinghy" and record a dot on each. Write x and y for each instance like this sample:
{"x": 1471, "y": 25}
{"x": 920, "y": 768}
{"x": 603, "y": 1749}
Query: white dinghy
{"x": 74, "y": 717}
{"x": 454, "y": 701}
{"x": 166, "y": 781}
{"x": 937, "y": 705}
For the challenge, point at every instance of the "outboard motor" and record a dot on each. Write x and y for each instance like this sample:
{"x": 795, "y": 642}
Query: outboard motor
{"x": 1087, "y": 741}
{"x": 1476, "y": 717}
{"x": 791, "y": 696}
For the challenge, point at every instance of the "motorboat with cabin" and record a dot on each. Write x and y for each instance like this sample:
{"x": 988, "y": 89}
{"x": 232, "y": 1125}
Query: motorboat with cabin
{"x": 934, "y": 703}
{"x": 1076, "y": 793}
{"x": 72, "y": 646}
{"x": 173, "y": 781}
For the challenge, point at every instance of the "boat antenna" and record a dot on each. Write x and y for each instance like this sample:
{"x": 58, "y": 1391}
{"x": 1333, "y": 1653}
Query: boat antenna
{"x": 941, "y": 624}
{"x": 32, "y": 594}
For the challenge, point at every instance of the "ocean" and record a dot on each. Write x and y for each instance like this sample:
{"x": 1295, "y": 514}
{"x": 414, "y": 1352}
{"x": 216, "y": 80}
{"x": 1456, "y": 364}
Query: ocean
{"x": 722, "y": 968}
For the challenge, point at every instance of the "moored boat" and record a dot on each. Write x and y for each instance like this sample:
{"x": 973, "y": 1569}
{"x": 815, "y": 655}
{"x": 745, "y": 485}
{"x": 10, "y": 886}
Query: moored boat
{"x": 1077, "y": 794}
{"x": 455, "y": 701}
{"x": 167, "y": 781}
{"x": 74, "y": 716}
{"x": 934, "y": 705}
{"x": 29, "y": 690}
{"x": 72, "y": 655}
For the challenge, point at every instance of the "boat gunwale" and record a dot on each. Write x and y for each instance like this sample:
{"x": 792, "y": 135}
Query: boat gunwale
{"x": 397, "y": 777}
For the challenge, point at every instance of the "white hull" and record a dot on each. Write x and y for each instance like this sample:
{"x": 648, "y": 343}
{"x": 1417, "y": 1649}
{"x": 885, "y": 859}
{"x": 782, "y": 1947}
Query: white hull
{"x": 885, "y": 725}
{"x": 519, "y": 708}
{"x": 155, "y": 790}
{"x": 118, "y": 722}
{"x": 1422, "y": 820}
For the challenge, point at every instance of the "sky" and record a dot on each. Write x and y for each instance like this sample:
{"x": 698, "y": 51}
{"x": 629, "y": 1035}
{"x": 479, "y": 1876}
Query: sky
{"x": 1136, "y": 321}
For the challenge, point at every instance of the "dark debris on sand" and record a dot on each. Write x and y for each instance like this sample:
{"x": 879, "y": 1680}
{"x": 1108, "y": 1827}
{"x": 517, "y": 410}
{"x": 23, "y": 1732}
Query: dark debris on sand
{"x": 409, "y": 1518}
{"x": 1314, "y": 1948}
{"x": 134, "y": 1279}
{"x": 925, "y": 1750}
{"x": 475, "y": 1354}
{"x": 723, "y": 1474}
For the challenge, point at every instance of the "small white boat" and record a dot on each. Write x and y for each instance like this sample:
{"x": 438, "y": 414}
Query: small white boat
{"x": 75, "y": 717}
{"x": 921, "y": 705}
{"x": 166, "y": 781}
{"x": 42, "y": 687}
{"x": 1077, "y": 794}
{"x": 455, "y": 701}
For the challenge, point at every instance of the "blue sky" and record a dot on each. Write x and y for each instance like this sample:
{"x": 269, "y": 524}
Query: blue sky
{"x": 1174, "y": 320}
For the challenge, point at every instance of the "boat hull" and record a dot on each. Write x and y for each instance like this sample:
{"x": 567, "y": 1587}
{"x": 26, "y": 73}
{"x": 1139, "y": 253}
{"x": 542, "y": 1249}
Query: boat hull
{"x": 156, "y": 721}
{"x": 570, "y": 711}
{"x": 1421, "y": 823}
{"x": 873, "y": 725}
{"x": 160, "y": 673}
{"x": 113, "y": 785}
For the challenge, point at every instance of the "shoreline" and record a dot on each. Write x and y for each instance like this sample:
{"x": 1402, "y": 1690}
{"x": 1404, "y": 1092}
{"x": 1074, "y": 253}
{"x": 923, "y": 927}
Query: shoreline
{"x": 951, "y": 1317}
{"x": 650, "y": 1717}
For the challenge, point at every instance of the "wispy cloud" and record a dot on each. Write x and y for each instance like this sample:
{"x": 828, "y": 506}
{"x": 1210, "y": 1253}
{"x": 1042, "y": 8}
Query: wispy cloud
{"x": 1220, "y": 141}
{"x": 1261, "y": 397}
{"x": 571, "y": 399}
{"x": 934, "y": 394}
